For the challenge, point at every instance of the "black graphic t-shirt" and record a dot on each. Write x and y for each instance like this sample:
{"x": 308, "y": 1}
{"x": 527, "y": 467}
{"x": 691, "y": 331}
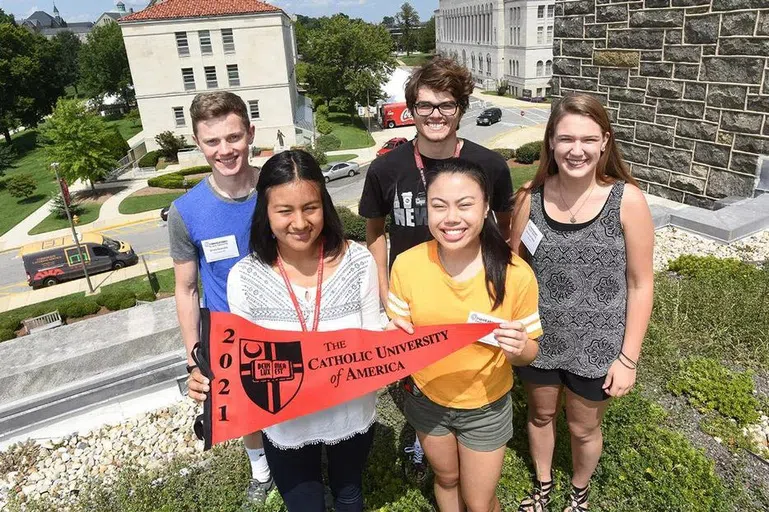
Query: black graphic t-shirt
{"x": 393, "y": 187}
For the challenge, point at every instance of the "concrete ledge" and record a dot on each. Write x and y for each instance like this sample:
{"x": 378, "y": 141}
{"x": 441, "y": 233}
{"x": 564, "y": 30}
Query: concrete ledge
{"x": 728, "y": 224}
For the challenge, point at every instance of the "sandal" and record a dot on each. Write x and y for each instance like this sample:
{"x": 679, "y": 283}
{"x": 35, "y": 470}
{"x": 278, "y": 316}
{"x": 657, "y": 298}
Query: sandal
{"x": 578, "y": 499}
{"x": 539, "y": 498}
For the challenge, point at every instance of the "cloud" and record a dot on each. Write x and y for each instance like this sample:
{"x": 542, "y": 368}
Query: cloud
{"x": 31, "y": 11}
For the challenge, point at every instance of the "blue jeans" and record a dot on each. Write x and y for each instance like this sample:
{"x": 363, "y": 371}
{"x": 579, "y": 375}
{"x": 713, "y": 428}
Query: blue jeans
{"x": 297, "y": 473}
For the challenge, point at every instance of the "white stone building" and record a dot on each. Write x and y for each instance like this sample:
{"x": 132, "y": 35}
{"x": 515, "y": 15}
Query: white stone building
{"x": 500, "y": 40}
{"x": 179, "y": 48}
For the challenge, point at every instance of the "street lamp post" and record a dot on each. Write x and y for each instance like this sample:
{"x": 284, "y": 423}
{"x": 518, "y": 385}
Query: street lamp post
{"x": 55, "y": 167}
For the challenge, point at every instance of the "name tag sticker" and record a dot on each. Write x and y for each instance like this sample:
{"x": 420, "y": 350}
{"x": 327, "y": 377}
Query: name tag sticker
{"x": 480, "y": 318}
{"x": 222, "y": 248}
{"x": 531, "y": 237}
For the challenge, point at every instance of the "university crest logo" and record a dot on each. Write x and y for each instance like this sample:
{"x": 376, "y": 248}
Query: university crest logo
{"x": 271, "y": 373}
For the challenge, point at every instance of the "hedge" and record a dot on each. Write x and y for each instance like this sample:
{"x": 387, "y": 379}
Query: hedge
{"x": 117, "y": 299}
{"x": 150, "y": 159}
{"x": 528, "y": 153}
{"x": 7, "y": 334}
{"x": 176, "y": 179}
{"x": 354, "y": 225}
{"x": 328, "y": 142}
{"x": 506, "y": 153}
{"x": 80, "y": 308}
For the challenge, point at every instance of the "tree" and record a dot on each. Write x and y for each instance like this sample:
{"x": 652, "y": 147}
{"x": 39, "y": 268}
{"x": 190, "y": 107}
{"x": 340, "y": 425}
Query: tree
{"x": 170, "y": 145}
{"x": 408, "y": 21}
{"x": 60, "y": 211}
{"x": 346, "y": 59}
{"x": 78, "y": 141}
{"x": 427, "y": 36}
{"x": 7, "y": 157}
{"x": 67, "y": 49}
{"x": 388, "y": 21}
{"x": 104, "y": 63}
{"x": 116, "y": 144}
{"x": 21, "y": 185}
{"x": 7, "y": 18}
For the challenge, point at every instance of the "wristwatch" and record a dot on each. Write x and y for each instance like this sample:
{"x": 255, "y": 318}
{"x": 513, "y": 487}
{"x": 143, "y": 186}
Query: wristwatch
{"x": 191, "y": 367}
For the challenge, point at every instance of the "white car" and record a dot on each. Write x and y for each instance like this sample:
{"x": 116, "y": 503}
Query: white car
{"x": 332, "y": 171}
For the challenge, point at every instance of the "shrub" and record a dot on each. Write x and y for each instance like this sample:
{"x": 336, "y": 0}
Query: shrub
{"x": 318, "y": 155}
{"x": 506, "y": 153}
{"x": 21, "y": 186}
{"x": 528, "y": 153}
{"x": 689, "y": 265}
{"x": 79, "y": 308}
{"x": 323, "y": 126}
{"x": 172, "y": 180}
{"x": 146, "y": 296}
{"x": 502, "y": 87}
{"x": 58, "y": 208}
{"x": 3, "y": 184}
{"x": 200, "y": 169}
{"x": 709, "y": 386}
{"x": 150, "y": 159}
{"x": 354, "y": 225}
{"x": 328, "y": 142}
{"x": 115, "y": 300}
{"x": 118, "y": 147}
{"x": 7, "y": 334}
{"x": 170, "y": 144}
{"x": 322, "y": 111}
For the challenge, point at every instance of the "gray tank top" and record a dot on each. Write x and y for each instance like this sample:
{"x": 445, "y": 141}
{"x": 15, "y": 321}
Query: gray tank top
{"x": 580, "y": 270}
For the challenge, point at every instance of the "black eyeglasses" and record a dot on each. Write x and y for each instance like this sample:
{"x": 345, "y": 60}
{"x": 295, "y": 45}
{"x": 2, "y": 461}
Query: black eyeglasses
{"x": 425, "y": 108}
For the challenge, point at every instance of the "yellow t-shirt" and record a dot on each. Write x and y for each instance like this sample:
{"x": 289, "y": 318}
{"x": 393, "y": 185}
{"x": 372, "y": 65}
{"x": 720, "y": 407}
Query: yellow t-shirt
{"x": 423, "y": 293}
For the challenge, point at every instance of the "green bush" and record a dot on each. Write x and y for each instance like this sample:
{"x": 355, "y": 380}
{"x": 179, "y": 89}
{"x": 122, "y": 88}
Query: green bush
{"x": 328, "y": 142}
{"x": 172, "y": 180}
{"x": 709, "y": 386}
{"x": 506, "y": 153}
{"x": 79, "y": 308}
{"x": 21, "y": 186}
{"x": 322, "y": 111}
{"x": 7, "y": 334}
{"x": 354, "y": 225}
{"x": 170, "y": 144}
{"x": 150, "y": 159}
{"x": 689, "y": 265}
{"x": 528, "y": 153}
{"x": 502, "y": 87}
{"x": 146, "y": 296}
{"x": 117, "y": 145}
{"x": 115, "y": 300}
{"x": 200, "y": 169}
{"x": 323, "y": 126}
{"x": 317, "y": 154}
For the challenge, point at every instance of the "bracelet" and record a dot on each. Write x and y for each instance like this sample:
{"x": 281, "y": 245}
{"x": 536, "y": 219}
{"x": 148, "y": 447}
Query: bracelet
{"x": 623, "y": 363}
{"x": 633, "y": 364}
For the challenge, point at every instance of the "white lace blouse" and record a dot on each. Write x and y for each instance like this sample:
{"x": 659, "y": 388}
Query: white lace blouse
{"x": 349, "y": 299}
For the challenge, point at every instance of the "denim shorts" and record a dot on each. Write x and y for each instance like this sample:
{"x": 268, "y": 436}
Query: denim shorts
{"x": 484, "y": 429}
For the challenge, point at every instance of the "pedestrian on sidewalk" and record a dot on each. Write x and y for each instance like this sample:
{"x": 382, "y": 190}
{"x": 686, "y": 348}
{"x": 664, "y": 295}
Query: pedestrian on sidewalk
{"x": 209, "y": 230}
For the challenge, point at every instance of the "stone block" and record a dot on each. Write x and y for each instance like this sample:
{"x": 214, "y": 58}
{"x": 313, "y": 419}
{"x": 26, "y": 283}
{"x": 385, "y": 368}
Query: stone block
{"x": 745, "y": 70}
{"x": 744, "y": 163}
{"x": 686, "y": 71}
{"x": 655, "y": 134}
{"x": 577, "y": 49}
{"x": 595, "y": 31}
{"x": 563, "y": 66}
{"x": 701, "y": 29}
{"x": 691, "y": 11}
{"x": 636, "y": 112}
{"x": 687, "y": 183}
{"x": 600, "y": 44}
{"x": 617, "y": 59}
{"x": 763, "y": 24}
{"x": 650, "y": 18}
{"x": 581, "y": 7}
{"x": 666, "y": 120}
{"x": 555, "y": 88}
{"x": 673, "y": 36}
{"x": 744, "y": 46}
{"x": 750, "y": 144}
{"x": 660, "y": 69}
{"x": 727, "y": 96}
{"x": 690, "y": 3}
{"x": 653, "y": 56}
{"x": 713, "y": 115}
{"x": 569, "y": 27}
{"x": 611, "y": 13}
{"x": 733, "y": 5}
{"x": 590, "y": 71}
{"x": 650, "y": 4}
{"x": 684, "y": 143}
{"x": 709, "y": 49}
{"x": 635, "y": 6}
{"x": 638, "y": 82}
{"x": 633, "y": 152}
{"x": 692, "y": 109}
{"x": 758, "y": 103}
{"x": 725, "y": 138}
{"x": 700, "y": 171}
{"x": 614, "y": 77}
{"x": 665, "y": 89}
{"x": 699, "y": 202}
{"x": 697, "y": 130}
{"x": 741, "y": 122}
{"x": 682, "y": 53}
{"x": 628, "y": 95}
{"x": 667, "y": 193}
{"x": 677, "y": 160}
{"x": 741, "y": 23}
{"x": 650, "y": 174}
{"x": 638, "y": 39}
{"x": 725, "y": 183}
{"x": 694, "y": 91}
{"x": 626, "y": 133}
{"x": 712, "y": 154}
{"x": 583, "y": 84}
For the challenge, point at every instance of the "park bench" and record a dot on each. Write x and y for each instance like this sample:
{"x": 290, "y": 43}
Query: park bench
{"x": 42, "y": 322}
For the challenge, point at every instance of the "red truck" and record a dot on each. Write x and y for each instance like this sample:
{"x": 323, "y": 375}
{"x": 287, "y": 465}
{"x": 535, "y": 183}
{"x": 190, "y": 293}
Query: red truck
{"x": 395, "y": 114}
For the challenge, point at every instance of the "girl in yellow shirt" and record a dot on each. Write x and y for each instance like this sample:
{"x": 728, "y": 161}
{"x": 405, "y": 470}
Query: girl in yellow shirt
{"x": 461, "y": 405}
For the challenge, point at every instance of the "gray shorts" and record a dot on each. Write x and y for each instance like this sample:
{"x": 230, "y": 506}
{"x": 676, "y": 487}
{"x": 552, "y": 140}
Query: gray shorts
{"x": 484, "y": 429}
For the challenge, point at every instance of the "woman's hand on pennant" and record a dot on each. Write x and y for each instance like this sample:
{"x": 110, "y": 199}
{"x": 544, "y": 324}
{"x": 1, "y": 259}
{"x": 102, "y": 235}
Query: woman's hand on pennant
{"x": 511, "y": 337}
{"x": 399, "y": 323}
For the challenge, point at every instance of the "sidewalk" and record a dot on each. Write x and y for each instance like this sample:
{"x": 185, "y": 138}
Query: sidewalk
{"x": 504, "y": 101}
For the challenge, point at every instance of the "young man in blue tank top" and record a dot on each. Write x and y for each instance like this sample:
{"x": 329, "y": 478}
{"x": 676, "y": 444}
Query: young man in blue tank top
{"x": 209, "y": 232}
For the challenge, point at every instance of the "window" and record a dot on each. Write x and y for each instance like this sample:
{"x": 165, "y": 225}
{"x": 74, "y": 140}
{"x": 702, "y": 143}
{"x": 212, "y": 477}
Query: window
{"x": 480, "y": 64}
{"x": 541, "y": 12}
{"x": 188, "y": 77}
{"x": 228, "y": 41}
{"x": 233, "y": 75}
{"x": 253, "y": 108}
{"x": 540, "y": 65}
{"x": 211, "y": 82}
{"x": 547, "y": 91}
{"x": 540, "y": 35}
{"x": 179, "y": 117}
{"x": 182, "y": 45}
{"x": 550, "y": 34}
{"x": 100, "y": 251}
{"x": 472, "y": 60}
{"x": 539, "y": 92}
{"x": 488, "y": 64}
{"x": 549, "y": 67}
{"x": 550, "y": 11}
{"x": 205, "y": 42}
{"x": 510, "y": 67}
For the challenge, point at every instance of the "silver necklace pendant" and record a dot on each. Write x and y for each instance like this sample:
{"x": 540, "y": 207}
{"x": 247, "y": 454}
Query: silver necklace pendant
{"x": 573, "y": 220}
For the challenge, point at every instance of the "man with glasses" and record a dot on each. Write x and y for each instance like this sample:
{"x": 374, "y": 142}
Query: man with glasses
{"x": 437, "y": 94}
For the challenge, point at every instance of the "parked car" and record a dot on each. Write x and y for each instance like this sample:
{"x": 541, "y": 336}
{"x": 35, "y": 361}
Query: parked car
{"x": 164, "y": 213}
{"x": 333, "y": 171}
{"x": 390, "y": 145}
{"x": 54, "y": 261}
{"x": 489, "y": 116}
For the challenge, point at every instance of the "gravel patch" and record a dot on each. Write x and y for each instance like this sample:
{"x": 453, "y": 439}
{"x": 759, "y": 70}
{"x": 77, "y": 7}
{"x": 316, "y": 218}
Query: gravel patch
{"x": 671, "y": 243}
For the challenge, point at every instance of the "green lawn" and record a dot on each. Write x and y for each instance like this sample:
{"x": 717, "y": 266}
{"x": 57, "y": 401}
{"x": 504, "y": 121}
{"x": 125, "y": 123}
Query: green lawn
{"x": 416, "y": 59}
{"x": 138, "y": 204}
{"x": 352, "y": 134}
{"x": 126, "y": 127}
{"x": 52, "y": 222}
{"x": 521, "y": 175}
{"x": 340, "y": 158}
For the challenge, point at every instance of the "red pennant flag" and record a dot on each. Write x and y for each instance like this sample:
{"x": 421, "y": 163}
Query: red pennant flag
{"x": 260, "y": 377}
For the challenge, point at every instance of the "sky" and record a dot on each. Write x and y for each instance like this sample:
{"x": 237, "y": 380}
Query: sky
{"x": 90, "y": 10}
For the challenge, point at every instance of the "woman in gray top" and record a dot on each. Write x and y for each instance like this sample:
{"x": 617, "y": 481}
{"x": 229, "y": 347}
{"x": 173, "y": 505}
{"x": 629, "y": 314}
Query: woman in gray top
{"x": 586, "y": 229}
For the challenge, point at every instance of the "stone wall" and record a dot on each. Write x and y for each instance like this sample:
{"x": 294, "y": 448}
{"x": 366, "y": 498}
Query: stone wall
{"x": 686, "y": 83}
